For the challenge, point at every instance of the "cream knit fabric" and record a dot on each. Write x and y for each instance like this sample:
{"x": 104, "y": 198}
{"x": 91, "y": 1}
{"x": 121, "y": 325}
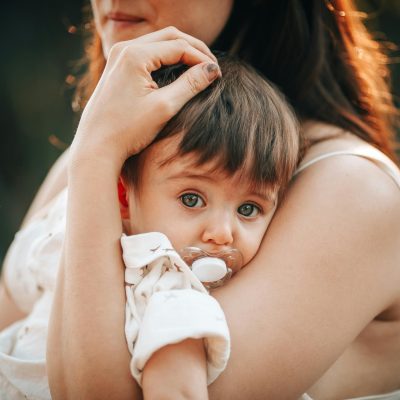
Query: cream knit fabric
{"x": 166, "y": 303}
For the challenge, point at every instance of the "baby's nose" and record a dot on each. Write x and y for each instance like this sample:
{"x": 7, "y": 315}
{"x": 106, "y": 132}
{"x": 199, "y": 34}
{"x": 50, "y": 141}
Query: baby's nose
{"x": 219, "y": 231}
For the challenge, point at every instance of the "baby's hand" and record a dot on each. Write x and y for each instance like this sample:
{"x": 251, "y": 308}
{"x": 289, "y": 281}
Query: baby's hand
{"x": 127, "y": 109}
{"x": 177, "y": 371}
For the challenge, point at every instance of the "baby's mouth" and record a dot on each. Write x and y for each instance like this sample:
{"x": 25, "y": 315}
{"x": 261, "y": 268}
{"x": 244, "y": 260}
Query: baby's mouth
{"x": 212, "y": 269}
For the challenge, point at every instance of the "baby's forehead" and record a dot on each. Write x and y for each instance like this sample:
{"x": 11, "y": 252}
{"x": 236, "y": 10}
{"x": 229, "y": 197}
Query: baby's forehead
{"x": 166, "y": 156}
{"x": 186, "y": 169}
{"x": 165, "y": 160}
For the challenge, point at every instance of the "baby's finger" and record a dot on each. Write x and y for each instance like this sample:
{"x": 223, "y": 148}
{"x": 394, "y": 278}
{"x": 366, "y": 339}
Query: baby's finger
{"x": 190, "y": 83}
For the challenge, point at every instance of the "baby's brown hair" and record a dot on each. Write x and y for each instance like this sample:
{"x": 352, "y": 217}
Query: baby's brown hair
{"x": 241, "y": 122}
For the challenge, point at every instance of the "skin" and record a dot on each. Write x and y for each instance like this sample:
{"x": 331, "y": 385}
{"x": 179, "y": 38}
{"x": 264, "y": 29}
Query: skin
{"x": 196, "y": 207}
{"x": 122, "y": 20}
{"x": 326, "y": 275}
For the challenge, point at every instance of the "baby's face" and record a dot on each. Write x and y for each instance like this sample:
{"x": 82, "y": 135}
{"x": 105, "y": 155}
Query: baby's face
{"x": 194, "y": 206}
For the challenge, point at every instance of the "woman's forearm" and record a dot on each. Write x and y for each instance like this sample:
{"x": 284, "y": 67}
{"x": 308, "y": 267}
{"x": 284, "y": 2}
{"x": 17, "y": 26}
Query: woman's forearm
{"x": 87, "y": 352}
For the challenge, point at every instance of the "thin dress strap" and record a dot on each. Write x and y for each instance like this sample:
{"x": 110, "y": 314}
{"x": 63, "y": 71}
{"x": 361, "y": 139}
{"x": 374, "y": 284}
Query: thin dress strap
{"x": 368, "y": 152}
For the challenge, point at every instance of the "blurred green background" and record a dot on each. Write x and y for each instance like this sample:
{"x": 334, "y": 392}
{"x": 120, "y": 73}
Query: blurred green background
{"x": 38, "y": 52}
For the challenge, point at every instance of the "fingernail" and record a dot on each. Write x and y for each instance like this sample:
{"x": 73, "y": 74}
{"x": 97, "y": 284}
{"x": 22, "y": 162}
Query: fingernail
{"x": 212, "y": 71}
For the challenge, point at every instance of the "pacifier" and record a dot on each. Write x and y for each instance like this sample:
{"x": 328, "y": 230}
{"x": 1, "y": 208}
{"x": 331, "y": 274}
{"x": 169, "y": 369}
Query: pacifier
{"x": 212, "y": 269}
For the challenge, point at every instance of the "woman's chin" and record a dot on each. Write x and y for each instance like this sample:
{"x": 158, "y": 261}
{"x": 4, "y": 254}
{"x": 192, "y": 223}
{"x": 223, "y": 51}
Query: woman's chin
{"x": 118, "y": 31}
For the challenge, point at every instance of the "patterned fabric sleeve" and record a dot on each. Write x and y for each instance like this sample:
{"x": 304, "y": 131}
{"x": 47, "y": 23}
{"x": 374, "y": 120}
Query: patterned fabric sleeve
{"x": 167, "y": 304}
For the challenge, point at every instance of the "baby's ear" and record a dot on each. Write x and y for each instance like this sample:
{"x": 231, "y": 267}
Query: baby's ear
{"x": 123, "y": 198}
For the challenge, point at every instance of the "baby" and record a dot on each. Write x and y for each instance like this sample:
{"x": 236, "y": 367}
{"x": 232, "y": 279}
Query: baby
{"x": 211, "y": 180}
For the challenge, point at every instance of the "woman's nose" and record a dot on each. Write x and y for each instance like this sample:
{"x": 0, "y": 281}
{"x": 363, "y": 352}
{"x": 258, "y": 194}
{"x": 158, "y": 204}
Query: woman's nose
{"x": 218, "y": 230}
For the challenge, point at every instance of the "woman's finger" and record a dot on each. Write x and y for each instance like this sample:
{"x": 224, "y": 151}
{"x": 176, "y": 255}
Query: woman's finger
{"x": 154, "y": 55}
{"x": 166, "y": 34}
{"x": 190, "y": 83}
{"x": 172, "y": 33}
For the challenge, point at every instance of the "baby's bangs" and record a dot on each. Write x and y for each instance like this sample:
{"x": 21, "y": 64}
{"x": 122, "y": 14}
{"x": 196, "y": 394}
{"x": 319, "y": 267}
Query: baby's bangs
{"x": 211, "y": 131}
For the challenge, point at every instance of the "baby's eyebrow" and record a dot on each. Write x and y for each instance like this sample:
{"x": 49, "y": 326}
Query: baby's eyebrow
{"x": 192, "y": 175}
{"x": 269, "y": 196}
{"x": 265, "y": 194}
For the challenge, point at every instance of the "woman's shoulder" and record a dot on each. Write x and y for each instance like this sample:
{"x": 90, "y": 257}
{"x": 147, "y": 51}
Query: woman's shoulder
{"x": 326, "y": 139}
{"x": 353, "y": 173}
{"x": 331, "y": 156}
{"x": 353, "y": 197}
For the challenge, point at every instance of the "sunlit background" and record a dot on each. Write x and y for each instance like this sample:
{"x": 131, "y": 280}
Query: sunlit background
{"x": 41, "y": 42}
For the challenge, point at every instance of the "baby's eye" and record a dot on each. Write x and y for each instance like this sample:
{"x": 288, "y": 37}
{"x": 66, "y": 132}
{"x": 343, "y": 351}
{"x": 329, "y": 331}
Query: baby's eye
{"x": 249, "y": 210}
{"x": 192, "y": 200}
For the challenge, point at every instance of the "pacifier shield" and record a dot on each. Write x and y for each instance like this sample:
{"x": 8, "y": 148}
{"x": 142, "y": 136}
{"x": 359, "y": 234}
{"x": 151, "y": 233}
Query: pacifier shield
{"x": 209, "y": 269}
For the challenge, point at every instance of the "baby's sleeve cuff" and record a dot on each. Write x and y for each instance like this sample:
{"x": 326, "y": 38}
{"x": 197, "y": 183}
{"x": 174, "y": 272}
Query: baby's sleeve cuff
{"x": 175, "y": 315}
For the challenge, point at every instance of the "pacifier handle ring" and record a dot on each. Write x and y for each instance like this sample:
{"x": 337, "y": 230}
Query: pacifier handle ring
{"x": 218, "y": 283}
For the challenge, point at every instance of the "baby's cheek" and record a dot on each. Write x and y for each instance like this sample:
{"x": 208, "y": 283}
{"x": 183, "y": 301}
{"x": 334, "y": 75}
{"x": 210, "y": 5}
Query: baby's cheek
{"x": 252, "y": 245}
{"x": 175, "y": 236}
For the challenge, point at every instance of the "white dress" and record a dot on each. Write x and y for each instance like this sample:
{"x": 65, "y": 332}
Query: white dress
{"x": 30, "y": 275}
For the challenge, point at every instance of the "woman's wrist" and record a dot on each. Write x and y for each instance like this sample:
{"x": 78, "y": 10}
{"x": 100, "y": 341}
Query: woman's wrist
{"x": 85, "y": 158}
{"x": 89, "y": 164}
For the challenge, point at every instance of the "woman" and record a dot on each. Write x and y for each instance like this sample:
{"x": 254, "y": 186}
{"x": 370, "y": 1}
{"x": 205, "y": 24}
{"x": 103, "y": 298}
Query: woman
{"x": 318, "y": 309}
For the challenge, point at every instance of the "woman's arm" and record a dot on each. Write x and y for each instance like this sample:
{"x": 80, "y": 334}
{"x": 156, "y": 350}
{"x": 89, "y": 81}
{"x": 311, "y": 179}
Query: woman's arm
{"x": 87, "y": 353}
{"x": 328, "y": 265}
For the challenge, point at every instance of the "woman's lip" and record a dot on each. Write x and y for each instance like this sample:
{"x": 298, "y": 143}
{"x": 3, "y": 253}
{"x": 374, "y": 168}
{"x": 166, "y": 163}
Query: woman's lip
{"x": 121, "y": 17}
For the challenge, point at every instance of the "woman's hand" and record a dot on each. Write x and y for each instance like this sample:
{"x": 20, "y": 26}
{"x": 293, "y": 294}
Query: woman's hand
{"x": 127, "y": 109}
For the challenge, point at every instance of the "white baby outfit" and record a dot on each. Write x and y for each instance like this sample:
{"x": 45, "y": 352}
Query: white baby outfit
{"x": 166, "y": 303}
{"x": 30, "y": 277}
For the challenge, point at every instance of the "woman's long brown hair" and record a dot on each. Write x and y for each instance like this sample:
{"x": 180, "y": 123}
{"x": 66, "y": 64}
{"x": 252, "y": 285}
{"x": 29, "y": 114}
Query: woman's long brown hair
{"x": 318, "y": 52}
